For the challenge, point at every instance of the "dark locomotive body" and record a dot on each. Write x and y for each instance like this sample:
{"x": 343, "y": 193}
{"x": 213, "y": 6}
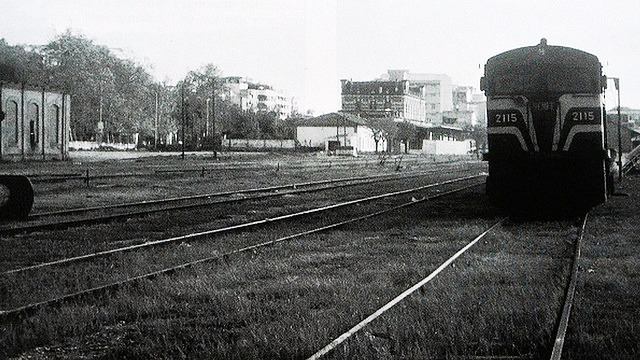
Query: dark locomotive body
{"x": 546, "y": 130}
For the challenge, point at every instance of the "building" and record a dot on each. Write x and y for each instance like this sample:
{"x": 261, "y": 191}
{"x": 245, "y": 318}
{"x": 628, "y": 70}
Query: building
{"x": 446, "y": 139}
{"x": 438, "y": 112}
{"x": 35, "y": 124}
{"x": 250, "y": 96}
{"x": 235, "y": 89}
{"x": 338, "y": 130}
{"x": 627, "y": 115}
{"x": 396, "y": 99}
{"x": 438, "y": 91}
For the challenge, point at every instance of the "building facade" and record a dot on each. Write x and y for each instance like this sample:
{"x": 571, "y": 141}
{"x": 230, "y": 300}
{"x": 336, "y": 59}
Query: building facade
{"x": 439, "y": 112}
{"x": 35, "y": 124}
{"x": 438, "y": 91}
{"x": 628, "y": 116}
{"x": 338, "y": 130}
{"x": 397, "y": 100}
{"x": 250, "y": 96}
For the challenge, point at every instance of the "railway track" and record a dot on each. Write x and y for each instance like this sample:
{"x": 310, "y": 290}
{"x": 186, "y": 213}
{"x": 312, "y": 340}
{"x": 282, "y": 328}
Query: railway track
{"x": 359, "y": 326}
{"x": 88, "y": 176}
{"x": 563, "y": 323}
{"x": 560, "y": 330}
{"x": 63, "y": 219}
{"x": 16, "y": 313}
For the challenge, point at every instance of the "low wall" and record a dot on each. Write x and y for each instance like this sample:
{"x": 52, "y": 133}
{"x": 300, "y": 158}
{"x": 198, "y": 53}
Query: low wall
{"x": 92, "y": 145}
{"x": 443, "y": 147}
{"x": 259, "y": 144}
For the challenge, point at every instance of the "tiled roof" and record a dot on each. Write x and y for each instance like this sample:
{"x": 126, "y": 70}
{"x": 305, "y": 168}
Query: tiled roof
{"x": 332, "y": 119}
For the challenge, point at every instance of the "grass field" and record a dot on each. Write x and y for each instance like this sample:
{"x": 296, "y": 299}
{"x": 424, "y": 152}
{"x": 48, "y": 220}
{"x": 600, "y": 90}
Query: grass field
{"x": 290, "y": 300}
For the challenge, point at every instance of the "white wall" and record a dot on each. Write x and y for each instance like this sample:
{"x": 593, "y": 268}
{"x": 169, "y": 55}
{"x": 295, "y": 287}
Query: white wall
{"x": 443, "y": 147}
{"x": 317, "y": 136}
{"x": 259, "y": 144}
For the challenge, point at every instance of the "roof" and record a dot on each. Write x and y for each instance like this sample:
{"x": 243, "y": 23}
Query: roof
{"x": 543, "y": 68}
{"x": 431, "y": 126}
{"x": 541, "y": 55}
{"x": 333, "y": 119}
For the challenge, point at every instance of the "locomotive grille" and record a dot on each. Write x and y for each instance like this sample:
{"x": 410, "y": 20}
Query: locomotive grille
{"x": 545, "y": 120}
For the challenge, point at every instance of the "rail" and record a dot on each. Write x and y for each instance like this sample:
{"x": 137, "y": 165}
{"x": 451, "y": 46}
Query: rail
{"x": 563, "y": 324}
{"x": 19, "y": 313}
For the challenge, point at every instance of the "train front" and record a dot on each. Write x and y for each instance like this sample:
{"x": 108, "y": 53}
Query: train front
{"x": 546, "y": 129}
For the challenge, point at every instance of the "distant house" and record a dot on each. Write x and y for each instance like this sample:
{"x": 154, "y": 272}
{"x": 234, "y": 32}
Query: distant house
{"x": 629, "y": 137}
{"x": 338, "y": 130}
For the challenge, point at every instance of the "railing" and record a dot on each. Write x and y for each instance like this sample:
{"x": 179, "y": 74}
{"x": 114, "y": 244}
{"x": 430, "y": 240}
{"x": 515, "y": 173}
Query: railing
{"x": 632, "y": 160}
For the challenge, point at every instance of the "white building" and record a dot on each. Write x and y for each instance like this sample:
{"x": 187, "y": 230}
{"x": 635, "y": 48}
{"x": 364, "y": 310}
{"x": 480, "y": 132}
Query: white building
{"x": 256, "y": 97}
{"x": 438, "y": 91}
{"x": 338, "y": 130}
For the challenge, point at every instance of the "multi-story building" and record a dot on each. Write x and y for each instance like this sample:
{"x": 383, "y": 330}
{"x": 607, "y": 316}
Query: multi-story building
{"x": 398, "y": 100}
{"x": 235, "y": 89}
{"x": 256, "y": 97}
{"x": 440, "y": 112}
{"x": 628, "y": 116}
{"x": 438, "y": 91}
{"x": 468, "y": 108}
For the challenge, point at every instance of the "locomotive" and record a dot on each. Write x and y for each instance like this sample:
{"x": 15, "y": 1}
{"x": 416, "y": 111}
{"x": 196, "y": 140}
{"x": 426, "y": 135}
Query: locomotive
{"x": 546, "y": 130}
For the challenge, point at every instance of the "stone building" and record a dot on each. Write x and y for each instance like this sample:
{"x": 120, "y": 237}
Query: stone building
{"x": 35, "y": 124}
{"x": 397, "y": 100}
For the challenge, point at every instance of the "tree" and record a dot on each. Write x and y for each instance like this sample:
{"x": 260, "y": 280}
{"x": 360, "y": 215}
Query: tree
{"x": 73, "y": 64}
{"x": 106, "y": 91}
{"x": 478, "y": 133}
{"x": 381, "y": 128}
{"x": 204, "y": 105}
{"x": 406, "y": 133}
{"x": 20, "y": 65}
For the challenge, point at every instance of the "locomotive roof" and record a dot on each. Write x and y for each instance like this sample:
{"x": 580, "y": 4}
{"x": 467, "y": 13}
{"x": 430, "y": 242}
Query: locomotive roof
{"x": 542, "y": 55}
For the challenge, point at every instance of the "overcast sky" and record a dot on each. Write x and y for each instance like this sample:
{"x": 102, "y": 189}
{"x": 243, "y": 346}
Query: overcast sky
{"x": 305, "y": 47}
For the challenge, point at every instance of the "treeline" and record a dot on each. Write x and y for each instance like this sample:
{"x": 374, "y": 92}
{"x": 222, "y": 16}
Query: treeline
{"x": 113, "y": 97}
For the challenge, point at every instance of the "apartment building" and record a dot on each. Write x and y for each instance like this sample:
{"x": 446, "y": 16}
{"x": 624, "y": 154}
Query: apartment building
{"x": 251, "y": 96}
{"x": 438, "y": 91}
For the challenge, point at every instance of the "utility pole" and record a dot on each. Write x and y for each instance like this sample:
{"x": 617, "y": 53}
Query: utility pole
{"x": 617, "y": 84}
{"x": 206, "y": 125}
{"x": 155, "y": 134}
{"x": 213, "y": 120}
{"x": 182, "y": 116}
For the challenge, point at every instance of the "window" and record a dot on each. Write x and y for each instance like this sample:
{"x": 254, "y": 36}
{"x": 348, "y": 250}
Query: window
{"x": 55, "y": 125}
{"x": 12, "y": 118}
{"x": 32, "y": 117}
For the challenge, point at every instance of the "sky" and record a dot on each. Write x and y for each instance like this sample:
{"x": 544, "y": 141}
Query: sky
{"x": 304, "y": 47}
